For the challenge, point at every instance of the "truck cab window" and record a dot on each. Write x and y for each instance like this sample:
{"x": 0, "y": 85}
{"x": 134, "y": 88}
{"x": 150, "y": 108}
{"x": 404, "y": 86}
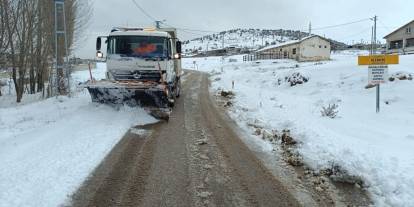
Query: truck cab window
{"x": 138, "y": 46}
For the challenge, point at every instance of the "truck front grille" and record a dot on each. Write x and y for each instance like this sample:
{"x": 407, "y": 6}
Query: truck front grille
{"x": 136, "y": 75}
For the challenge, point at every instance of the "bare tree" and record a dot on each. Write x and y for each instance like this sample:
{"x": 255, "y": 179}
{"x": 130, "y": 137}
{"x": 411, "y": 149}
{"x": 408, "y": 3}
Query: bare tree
{"x": 3, "y": 39}
{"x": 27, "y": 39}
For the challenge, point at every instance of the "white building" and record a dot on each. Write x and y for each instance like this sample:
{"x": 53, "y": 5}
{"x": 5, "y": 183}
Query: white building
{"x": 401, "y": 40}
{"x": 312, "y": 48}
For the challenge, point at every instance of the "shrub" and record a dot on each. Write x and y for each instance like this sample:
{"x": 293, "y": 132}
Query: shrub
{"x": 296, "y": 79}
{"x": 331, "y": 111}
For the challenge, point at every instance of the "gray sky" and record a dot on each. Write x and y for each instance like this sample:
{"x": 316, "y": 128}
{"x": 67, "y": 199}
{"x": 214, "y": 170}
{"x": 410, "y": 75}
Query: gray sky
{"x": 218, "y": 15}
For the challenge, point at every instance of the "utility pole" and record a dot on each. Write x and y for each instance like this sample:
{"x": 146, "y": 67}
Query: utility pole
{"x": 374, "y": 52}
{"x": 60, "y": 77}
{"x": 158, "y": 24}
{"x": 375, "y": 34}
{"x": 310, "y": 28}
{"x": 371, "y": 51}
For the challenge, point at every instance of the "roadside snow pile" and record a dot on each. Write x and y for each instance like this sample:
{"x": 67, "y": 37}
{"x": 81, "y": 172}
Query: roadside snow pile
{"x": 8, "y": 98}
{"x": 48, "y": 148}
{"x": 378, "y": 148}
{"x": 400, "y": 76}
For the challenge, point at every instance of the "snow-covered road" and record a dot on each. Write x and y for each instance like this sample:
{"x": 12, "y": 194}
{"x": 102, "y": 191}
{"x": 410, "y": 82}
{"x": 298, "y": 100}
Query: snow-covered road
{"x": 48, "y": 148}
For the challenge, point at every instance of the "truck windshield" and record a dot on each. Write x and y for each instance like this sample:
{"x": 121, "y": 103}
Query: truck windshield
{"x": 138, "y": 46}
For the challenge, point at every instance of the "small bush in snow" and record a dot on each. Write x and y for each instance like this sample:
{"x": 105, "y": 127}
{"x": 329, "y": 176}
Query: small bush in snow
{"x": 296, "y": 79}
{"x": 227, "y": 94}
{"x": 331, "y": 111}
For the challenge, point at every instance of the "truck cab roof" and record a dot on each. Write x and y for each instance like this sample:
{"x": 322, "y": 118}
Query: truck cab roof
{"x": 138, "y": 32}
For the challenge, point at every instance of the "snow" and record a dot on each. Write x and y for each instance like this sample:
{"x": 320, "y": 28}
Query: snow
{"x": 284, "y": 44}
{"x": 252, "y": 39}
{"x": 49, "y": 147}
{"x": 8, "y": 98}
{"x": 375, "y": 147}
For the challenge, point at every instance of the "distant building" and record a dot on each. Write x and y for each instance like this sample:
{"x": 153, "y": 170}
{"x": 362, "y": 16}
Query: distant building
{"x": 401, "y": 40}
{"x": 360, "y": 46}
{"x": 312, "y": 48}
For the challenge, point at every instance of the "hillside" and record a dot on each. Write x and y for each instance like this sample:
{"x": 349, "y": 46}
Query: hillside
{"x": 248, "y": 39}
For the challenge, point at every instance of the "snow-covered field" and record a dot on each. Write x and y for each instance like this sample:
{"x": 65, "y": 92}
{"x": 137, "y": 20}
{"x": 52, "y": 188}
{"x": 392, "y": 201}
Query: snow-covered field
{"x": 49, "y": 147}
{"x": 379, "y": 148}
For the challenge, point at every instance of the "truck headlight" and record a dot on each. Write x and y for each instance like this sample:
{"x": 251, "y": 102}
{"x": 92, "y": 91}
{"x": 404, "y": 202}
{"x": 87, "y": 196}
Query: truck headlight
{"x": 99, "y": 54}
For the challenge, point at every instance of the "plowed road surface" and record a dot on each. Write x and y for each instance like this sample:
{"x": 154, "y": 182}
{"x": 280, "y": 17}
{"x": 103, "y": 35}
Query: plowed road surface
{"x": 196, "y": 159}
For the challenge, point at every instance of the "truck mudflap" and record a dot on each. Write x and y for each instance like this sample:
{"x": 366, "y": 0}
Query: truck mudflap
{"x": 152, "y": 97}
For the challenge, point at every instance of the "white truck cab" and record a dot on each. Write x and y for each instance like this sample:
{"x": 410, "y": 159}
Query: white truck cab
{"x": 140, "y": 54}
{"x": 143, "y": 68}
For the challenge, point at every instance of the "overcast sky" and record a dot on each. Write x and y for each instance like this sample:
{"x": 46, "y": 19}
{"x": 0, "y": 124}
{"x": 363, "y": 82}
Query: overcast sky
{"x": 219, "y": 15}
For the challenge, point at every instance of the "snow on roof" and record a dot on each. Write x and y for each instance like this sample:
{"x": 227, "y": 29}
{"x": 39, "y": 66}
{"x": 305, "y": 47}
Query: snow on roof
{"x": 137, "y": 32}
{"x": 286, "y": 43}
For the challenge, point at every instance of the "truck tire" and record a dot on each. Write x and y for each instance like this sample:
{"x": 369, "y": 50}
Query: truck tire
{"x": 178, "y": 89}
{"x": 171, "y": 98}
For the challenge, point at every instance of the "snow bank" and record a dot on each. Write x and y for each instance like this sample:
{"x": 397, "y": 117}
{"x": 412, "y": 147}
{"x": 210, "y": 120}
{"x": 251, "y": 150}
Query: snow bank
{"x": 49, "y": 147}
{"x": 375, "y": 147}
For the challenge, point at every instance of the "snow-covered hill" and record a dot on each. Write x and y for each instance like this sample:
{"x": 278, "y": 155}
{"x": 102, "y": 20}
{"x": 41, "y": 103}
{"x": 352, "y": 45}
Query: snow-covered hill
{"x": 249, "y": 39}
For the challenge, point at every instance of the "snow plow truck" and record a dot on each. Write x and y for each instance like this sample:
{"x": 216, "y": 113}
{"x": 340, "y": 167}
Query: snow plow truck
{"x": 143, "y": 69}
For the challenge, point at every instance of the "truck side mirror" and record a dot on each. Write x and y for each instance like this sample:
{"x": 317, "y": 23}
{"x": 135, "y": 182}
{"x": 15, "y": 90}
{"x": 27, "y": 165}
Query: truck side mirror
{"x": 178, "y": 47}
{"x": 98, "y": 44}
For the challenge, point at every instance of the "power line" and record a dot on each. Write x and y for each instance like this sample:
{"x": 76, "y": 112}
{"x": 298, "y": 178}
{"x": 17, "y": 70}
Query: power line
{"x": 389, "y": 30}
{"x": 143, "y": 11}
{"x": 355, "y": 34}
{"x": 339, "y": 25}
{"x": 199, "y": 31}
{"x": 190, "y": 30}
{"x": 187, "y": 30}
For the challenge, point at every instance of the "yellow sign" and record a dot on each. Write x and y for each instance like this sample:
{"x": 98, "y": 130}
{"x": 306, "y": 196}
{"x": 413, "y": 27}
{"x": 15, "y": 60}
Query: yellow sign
{"x": 379, "y": 60}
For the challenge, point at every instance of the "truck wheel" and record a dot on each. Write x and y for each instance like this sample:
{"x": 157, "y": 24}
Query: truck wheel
{"x": 171, "y": 103}
{"x": 178, "y": 89}
{"x": 171, "y": 97}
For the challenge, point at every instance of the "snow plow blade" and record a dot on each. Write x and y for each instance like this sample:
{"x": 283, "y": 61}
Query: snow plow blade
{"x": 152, "y": 97}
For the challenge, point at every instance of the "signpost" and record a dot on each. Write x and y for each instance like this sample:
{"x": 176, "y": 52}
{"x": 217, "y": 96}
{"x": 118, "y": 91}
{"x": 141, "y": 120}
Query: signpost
{"x": 377, "y": 74}
{"x": 378, "y": 70}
